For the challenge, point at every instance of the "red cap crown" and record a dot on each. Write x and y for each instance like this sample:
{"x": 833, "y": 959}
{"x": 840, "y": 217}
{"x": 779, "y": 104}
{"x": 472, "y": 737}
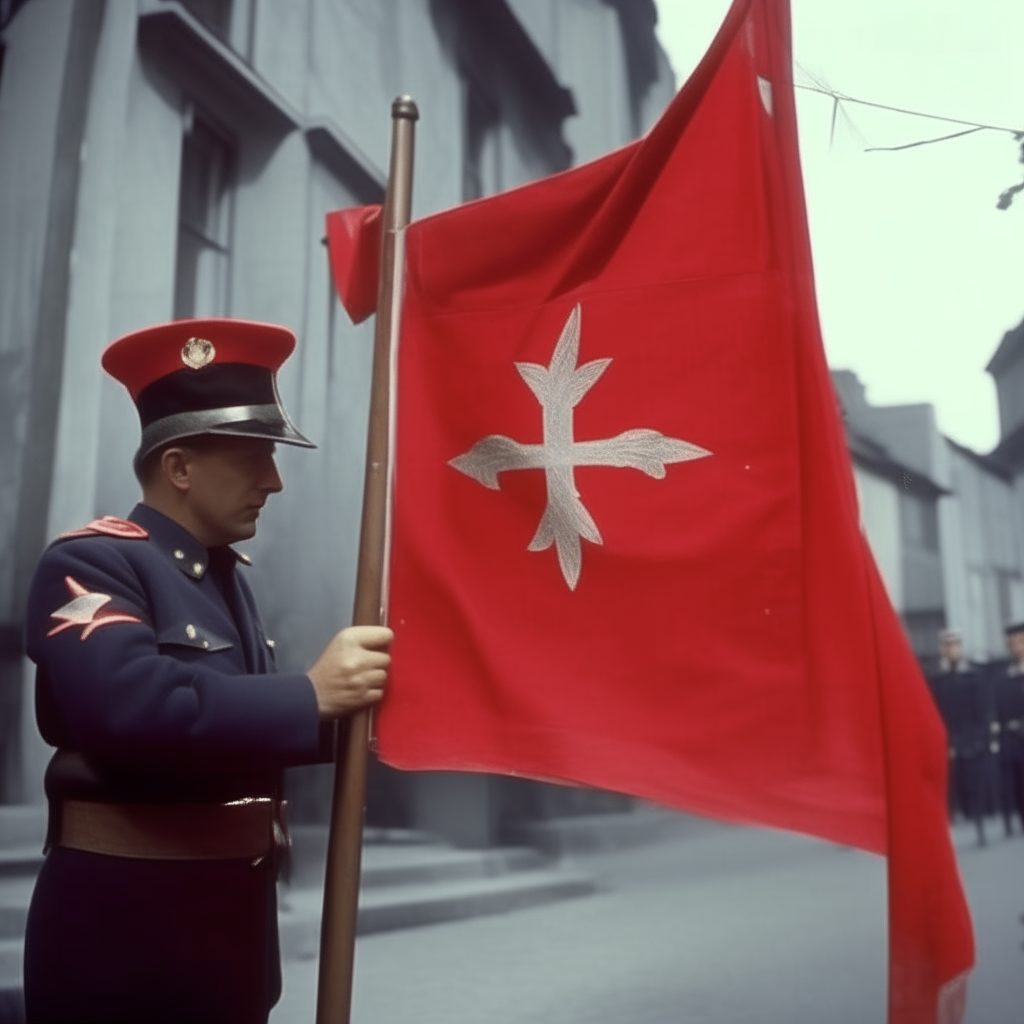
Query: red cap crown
{"x": 144, "y": 356}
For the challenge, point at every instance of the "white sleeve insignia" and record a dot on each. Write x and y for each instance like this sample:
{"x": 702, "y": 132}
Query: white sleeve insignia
{"x": 85, "y": 609}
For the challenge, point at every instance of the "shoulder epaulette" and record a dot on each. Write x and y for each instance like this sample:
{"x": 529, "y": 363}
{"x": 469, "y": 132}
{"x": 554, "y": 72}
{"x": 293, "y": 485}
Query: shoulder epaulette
{"x": 109, "y": 526}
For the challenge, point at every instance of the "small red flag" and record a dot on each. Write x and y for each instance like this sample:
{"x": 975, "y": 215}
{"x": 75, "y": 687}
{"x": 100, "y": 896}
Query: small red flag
{"x": 353, "y": 239}
{"x": 626, "y": 542}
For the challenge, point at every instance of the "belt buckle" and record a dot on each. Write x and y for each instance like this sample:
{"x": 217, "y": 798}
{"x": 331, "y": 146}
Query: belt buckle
{"x": 281, "y": 840}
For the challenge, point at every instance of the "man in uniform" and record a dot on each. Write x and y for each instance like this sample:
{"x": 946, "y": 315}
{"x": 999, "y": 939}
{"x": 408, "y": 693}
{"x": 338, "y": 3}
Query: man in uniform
{"x": 156, "y": 684}
{"x": 962, "y": 699}
{"x": 1008, "y": 699}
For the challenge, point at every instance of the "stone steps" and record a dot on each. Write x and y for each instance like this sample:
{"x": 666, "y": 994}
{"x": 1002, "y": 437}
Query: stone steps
{"x": 20, "y": 861}
{"x": 22, "y": 825}
{"x": 590, "y": 833}
{"x": 11, "y": 951}
{"x": 22, "y": 831}
{"x": 428, "y": 883}
{"x": 14, "y": 897}
{"x": 408, "y": 879}
{"x": 15, "y": 894}
{"x": 394, "y": 867}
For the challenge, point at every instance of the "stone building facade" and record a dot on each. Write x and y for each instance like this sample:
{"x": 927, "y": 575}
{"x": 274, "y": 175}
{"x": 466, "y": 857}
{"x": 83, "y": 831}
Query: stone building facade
{"x": 175, "y": 158}
{"x": 170, "y": 158}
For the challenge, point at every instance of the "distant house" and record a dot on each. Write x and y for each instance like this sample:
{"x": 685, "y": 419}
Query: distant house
{"x": 983, "y": 551}
{"x": 900, "y": 473}
{"x": 944, "y": 522}
{"x": 1007, "y": 369}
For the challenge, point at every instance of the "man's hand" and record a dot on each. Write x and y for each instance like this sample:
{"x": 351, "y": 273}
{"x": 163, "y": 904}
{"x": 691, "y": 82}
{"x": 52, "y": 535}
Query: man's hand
{"x": 351, "y": 672}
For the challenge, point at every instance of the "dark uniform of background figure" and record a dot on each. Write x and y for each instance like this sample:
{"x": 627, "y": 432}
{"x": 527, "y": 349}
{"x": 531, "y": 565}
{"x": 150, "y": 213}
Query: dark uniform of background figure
{"x": 962, "y": 695}
{"x": 1007, "y": 682}
{"x": 156, "y": 683}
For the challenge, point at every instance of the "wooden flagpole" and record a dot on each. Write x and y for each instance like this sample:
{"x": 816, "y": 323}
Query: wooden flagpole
{"x": 345, "y": 842}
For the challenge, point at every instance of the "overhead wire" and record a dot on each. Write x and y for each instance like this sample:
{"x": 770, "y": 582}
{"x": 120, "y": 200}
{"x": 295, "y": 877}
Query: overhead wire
{"x": 840, "y": 97}
{"x": 923, "y": 142}
{"x": 820, "y": 86}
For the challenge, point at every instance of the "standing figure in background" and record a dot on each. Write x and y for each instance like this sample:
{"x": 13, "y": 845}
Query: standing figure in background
{"x": 1008, "y": 699}
{"x": 961, "y": 694}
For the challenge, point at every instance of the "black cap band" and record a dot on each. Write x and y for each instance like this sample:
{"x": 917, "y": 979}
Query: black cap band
{"x": 226, "y": 399}
{"x": 219, "y": 386}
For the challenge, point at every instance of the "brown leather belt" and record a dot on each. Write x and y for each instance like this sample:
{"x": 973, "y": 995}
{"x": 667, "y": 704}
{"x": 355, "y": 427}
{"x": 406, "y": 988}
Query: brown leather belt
{"x": 250, "y": 828}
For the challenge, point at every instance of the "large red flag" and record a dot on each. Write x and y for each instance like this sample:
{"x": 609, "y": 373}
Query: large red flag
{"x": 626, "y": 544}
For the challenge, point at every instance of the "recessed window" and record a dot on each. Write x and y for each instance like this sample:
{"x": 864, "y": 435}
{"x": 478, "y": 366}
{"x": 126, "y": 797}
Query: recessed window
{"x": 1008, "y": 595}
{"x": 202, "y": 275}
{"x": 482, "y": 157}
{"x": 919, "y": 521}
{"x": 214, "y": 14}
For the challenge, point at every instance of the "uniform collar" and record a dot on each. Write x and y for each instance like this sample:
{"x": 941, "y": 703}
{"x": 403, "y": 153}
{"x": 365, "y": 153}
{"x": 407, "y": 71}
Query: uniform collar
{"x": 191, "y": 557}
{"x": 178, "y": 544}
{"x": 945, "y": 665}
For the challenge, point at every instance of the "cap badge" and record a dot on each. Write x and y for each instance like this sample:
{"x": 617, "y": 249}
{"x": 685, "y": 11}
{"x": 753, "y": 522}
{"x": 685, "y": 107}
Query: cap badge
{"x": 197, "y": 353}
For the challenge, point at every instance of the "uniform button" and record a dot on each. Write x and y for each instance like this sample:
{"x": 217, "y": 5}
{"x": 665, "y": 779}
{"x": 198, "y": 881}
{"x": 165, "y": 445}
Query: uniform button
{"x": 271, "y": 644}
{"x": 206, "y": 643}
{"x": 197, "y": 568}
{"x": 190, "y": 631}
{"x": 179, "y": 555}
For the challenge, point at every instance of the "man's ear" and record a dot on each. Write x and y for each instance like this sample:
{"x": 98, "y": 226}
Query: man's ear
{"x": 175, "y": 464}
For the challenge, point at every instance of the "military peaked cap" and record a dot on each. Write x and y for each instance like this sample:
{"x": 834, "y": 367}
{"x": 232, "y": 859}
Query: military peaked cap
{"x": 208, "y": 376}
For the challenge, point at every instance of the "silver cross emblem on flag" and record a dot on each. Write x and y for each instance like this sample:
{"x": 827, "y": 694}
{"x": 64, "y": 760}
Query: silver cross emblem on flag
{"x": 559, "y": 388}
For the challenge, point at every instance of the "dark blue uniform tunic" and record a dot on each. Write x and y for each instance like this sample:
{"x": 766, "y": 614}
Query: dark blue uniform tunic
{"x": 156, "y": 683}
{"x": 1008, "y": 690}
{"x": 963, "y": 696}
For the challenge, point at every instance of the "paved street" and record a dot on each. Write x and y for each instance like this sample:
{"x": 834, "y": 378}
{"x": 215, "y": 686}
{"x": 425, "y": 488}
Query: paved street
{"x": 720, "y": 926}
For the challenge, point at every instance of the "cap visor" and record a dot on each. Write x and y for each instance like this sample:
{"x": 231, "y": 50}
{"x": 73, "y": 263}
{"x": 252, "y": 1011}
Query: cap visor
{"x": 282, "y": 432}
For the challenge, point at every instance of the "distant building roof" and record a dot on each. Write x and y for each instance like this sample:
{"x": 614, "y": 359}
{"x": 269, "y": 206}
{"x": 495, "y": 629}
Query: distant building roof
{"x": 873, "y": 456}
{"x": 991, "y": 463}
{"x": 1009, "y": 349}
{"x": 870, "y": 450}
{"x": 1009, "y": 453}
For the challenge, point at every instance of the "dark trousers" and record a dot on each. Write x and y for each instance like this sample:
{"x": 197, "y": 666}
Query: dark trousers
{"x": 117, "y": 940}
{"x": 1011, "y": 779}
{"x": 972, "y": 784}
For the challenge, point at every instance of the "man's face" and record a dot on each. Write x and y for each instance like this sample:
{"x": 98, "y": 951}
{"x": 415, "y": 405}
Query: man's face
{"x": 229, "y": 481}
{"x": 950, "y": 648}
{"x": 1015, "y": 644}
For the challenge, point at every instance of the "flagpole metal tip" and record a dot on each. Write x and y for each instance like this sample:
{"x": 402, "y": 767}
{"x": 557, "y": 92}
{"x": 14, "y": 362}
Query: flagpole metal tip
{"x": 405, "y": 107}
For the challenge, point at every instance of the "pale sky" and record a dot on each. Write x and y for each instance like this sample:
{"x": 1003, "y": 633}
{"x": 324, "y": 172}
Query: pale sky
{"x": 918, "y": 274}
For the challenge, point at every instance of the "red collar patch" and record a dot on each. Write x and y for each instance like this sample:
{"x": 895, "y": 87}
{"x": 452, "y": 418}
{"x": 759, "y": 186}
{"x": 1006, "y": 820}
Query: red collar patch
{"x": 109, "y": 526}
